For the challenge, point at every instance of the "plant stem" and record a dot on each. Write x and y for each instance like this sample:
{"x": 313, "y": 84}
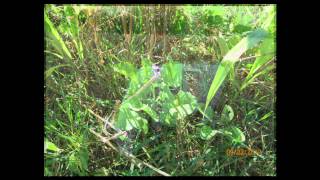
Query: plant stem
{"x": 130, "y": 156}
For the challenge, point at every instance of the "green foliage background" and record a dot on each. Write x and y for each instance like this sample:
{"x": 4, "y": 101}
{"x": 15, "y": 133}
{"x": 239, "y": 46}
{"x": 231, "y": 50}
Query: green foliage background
{"x": 97, "y": 56}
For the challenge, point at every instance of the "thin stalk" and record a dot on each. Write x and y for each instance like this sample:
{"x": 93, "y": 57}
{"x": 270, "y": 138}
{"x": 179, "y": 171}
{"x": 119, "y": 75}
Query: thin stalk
{"x": 130, "y": 156}
{"x": 164, "y": 34}
{"x": 145, "y": 86}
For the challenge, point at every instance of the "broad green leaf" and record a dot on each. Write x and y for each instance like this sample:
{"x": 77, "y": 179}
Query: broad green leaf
{"x": 138, "y": 122}
{"x": 145, "y": 73}
{"x": 72, "y": 20}
{"x": 122, "y": 121}
{"x": 50, "y": 146}
{"x": 128, "y": 119}
{"x": 172, "y": 74}
{"x": 167, "y": 98}
{"x": 265, "y": 53}
{"x": 227, "y": 113}
{"x": 134, "y": 104}
{"x": 207, "y": 132}
{"x": 252, "y": 39}
{"x": 165, "y": 93}
{"x": 182, "y": 111}
{"x": 150, "y": 112}
{"x": 230, "y": 58}
{"x": 146, "y": 109}
{"x": 237, "y": 135}
{"x": 167, "y": 118}
{"x": 143, "y": 125}
{"x": 221, "y": 74}
{"x": 127, "y": 69}
{"x": 184, "y": 104}
{"x": 123, "y": 138}
{"x": 185, "y": 98}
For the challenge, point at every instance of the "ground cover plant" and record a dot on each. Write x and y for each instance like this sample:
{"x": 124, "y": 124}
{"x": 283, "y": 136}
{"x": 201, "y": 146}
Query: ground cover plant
{"x": 152, "y": 90}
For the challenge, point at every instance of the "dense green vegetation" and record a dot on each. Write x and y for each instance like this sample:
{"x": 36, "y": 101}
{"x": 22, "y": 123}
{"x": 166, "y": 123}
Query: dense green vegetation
{"x": 159, "y": 90}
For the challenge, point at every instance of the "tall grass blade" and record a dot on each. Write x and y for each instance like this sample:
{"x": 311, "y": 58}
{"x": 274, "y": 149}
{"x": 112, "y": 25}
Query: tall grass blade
{"x": 57, "y": 41}
{"x": 230, "y": 58}
{"x": 52, "y": 69}
{"x": 267, "y": 48}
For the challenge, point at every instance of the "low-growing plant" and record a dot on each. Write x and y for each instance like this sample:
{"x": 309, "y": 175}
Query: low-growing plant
{"x": 150, "y": 91}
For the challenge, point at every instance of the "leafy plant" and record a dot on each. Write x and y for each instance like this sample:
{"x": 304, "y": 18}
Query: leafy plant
{"x": 207, "y": 132}
{"x": 227, "y": 113}
{"x": 173, "y": 106}
{"x": 235, "y": 134}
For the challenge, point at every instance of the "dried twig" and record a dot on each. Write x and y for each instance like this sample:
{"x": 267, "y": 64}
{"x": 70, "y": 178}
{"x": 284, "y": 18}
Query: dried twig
{"x": 104, "y": 120}
{"x": 134, "y": 159}
{"x": 117, "y": 135}
{"x": 122, "y": 151}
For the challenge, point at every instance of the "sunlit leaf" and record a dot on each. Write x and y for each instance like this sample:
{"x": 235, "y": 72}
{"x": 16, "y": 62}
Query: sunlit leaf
{"x": 184, "y": 104}
{"x": 122, "y": 121}
{"x": 150, "y": 112}
{"x": 217, "y": 10}
{"x": 239, "y": 136}
{"x": 127, "y": 69}
{"x": 207, "y": 132}
{"x": 227, "y": 112}
{"x": 268, "y": 23}
{"x": 50, "y": 146}
{"x": 230, "y": 58}
{"x": 266, "y": 116}
{"x": 251, "y": 40}
{"x": 172, "y": 74}
{"x": 235, "y": 134}
{"x": 129, "y": 119}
